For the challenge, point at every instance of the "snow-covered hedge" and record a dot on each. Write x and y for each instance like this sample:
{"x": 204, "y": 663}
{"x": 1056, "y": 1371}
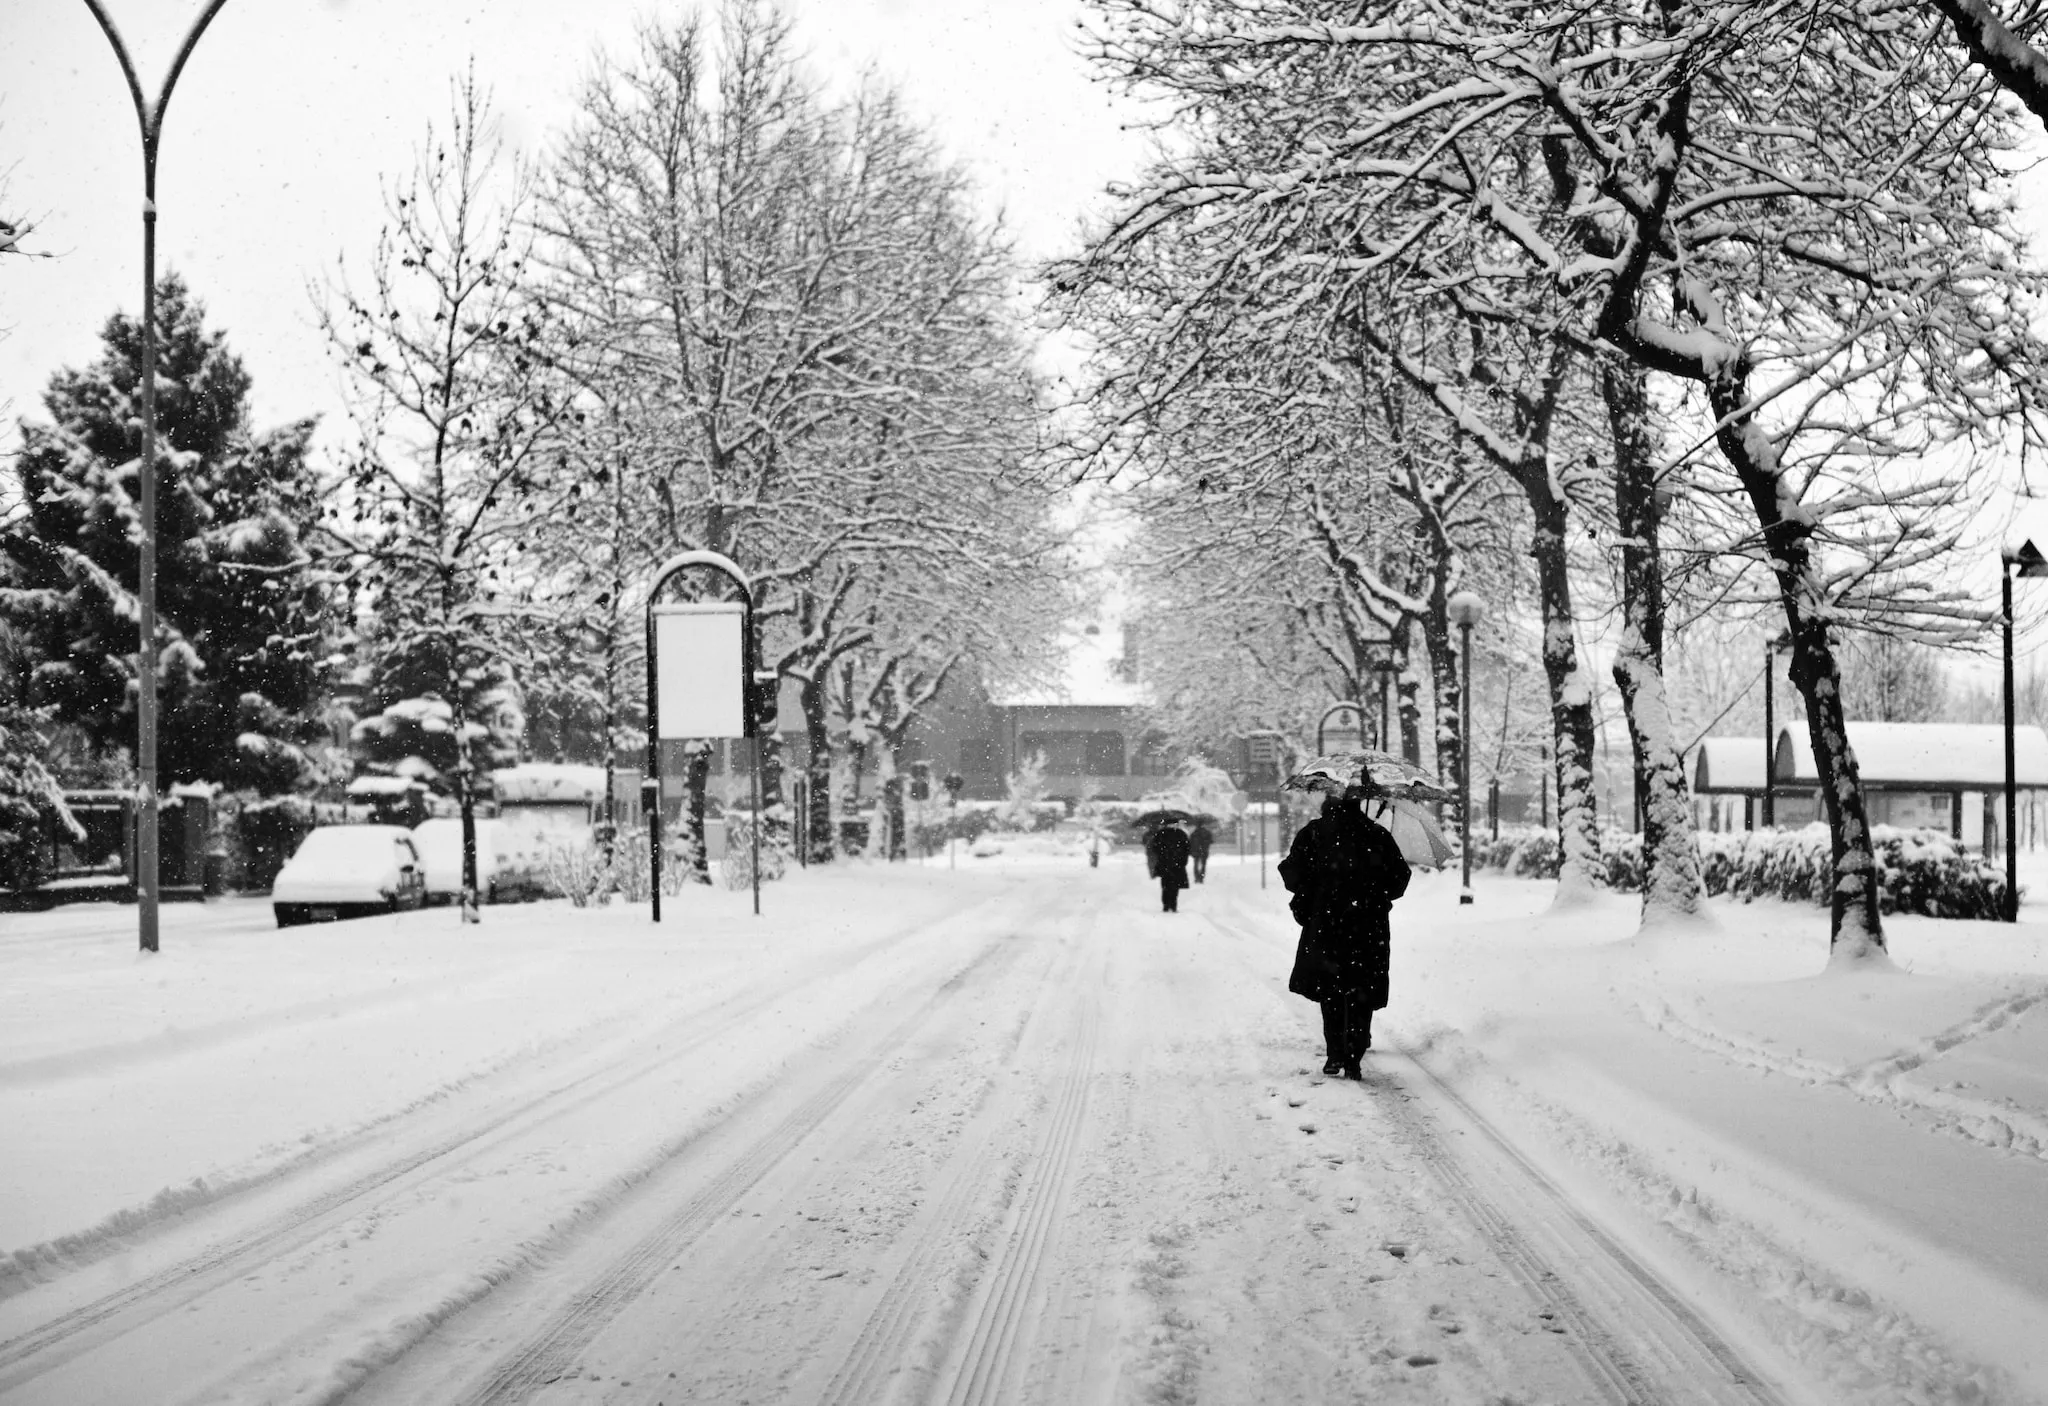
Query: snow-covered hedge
{"x": 1919, "y": 871}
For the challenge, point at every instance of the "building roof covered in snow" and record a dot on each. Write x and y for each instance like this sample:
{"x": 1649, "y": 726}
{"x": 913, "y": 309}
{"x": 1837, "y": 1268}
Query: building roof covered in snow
{"x": 548, "y": 783}
{"x": 1101, "y": 672}
{"x": 1922, "y": 756}
{"x": 1729, "y": 764}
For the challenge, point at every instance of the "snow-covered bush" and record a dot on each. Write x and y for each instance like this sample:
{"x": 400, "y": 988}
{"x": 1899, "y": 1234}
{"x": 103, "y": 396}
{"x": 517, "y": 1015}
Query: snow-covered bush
{"x": 575, "y": 869}
{"x": 32, "y": 809}
{"x": 1621, "y": 860}
{"x": 738, "y": 865}
{"x": 1923, "y": 872}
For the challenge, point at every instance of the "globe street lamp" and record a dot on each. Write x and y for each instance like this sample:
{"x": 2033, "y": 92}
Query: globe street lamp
{"x": 1466, "y": 609}
{"x": 152, "y": 119}
{"x": 2023, "y": 560}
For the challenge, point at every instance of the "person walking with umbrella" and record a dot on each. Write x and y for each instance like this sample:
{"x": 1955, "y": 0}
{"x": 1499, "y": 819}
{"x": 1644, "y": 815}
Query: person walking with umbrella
{"x": 1344, "y": 872}
{"x": 1166, "y": 854}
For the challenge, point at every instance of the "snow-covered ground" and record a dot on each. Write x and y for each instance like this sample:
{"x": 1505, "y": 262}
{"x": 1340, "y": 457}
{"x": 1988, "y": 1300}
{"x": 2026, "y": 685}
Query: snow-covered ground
{"x": 1004, "y": 1132}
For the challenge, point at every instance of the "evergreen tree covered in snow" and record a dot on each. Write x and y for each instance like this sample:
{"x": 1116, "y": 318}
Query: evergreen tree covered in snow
{"x": 240, "y": 609}
{"x": 31, "y": 803}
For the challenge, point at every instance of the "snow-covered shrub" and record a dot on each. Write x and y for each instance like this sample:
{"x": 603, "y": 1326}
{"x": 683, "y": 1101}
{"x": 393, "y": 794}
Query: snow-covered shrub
{"x": 1621, "y": 857}
{"x": 32, "y": 809}
{"x": 738, "y": 866}
{"x": 1537, "y": 856}
{"x": 1923, "y": 872}
{"x": 575, "y": 869}
{"x": 1026, "y": 786}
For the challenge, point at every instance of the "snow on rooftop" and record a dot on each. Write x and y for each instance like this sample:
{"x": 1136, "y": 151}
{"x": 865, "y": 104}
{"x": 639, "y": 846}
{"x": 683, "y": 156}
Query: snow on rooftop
{"x": 382, "y": 786}
{"x": 1969, "y": 756}
{"x": 1091, "y": 678}
{"x": 548, "y": 783}
{"x": 1729, "y": 764}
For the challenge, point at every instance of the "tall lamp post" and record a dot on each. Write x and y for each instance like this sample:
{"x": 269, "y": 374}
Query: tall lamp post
{"x": 1386, "y": 669}
{"x": 151, "y": 116}
{"x": 1767, "y": 804}
{"x": 2023, "y": 560}
{"x": 1465, "y": 609}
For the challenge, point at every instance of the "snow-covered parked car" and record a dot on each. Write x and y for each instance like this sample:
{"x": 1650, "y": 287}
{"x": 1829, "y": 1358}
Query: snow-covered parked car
{"x": 345, "y": 871}
{"x": 440, "y": 845}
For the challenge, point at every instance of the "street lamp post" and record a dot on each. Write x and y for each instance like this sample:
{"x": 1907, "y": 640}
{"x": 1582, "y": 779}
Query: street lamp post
{"x": 2023, "y": 560}
{"x": 1466, "y": 609}
{"x": 151, "y": 116}
{"x": 1386, "y": 669}
{"x": 1767, "y": 804}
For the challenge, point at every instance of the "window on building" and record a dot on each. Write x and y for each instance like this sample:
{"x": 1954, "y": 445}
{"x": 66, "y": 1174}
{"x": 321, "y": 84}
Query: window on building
{"x": 1105, "y": 754}
{"x": 1065, "y": 753}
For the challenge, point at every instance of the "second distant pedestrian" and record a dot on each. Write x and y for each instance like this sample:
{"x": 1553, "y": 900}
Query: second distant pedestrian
{"x": 1166, "y": 851}
{"x": 1199, "y": 840}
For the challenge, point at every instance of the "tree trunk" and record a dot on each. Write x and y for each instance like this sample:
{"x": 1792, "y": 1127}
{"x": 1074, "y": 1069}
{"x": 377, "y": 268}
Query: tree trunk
{"x": 891, "y": 808}
{"x": 1408, "y": 701}
{"x": 696, "y": 856}
{"x": 1579, "y": 871}
{"x": 1672, "y": 884}
{"x": 775, "y": 816}
{"x": 1448, "y": 687}
{"x": 1855, "y": 932}
{"x": 818, "y": 773}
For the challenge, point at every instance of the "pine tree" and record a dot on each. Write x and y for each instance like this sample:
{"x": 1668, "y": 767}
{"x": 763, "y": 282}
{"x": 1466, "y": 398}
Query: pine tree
{"x": 240, "y": 609}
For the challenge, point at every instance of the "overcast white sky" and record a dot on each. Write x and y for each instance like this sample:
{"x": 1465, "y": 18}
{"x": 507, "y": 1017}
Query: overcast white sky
{"x": 290, "y": 111}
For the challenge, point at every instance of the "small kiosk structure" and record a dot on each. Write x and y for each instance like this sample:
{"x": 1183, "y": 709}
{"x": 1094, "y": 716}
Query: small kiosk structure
{"x": 1932, "y": 776}
{"x": 1728, "y": 785}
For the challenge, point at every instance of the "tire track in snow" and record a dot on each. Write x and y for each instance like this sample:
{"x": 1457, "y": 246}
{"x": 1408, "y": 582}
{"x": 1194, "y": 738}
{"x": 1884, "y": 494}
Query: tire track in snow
{"x": 993, "y": 1341}
{"x": 1676, "y": 1355}
{"x": 554, "y": 1351}
{"x": 64, "y": 1337}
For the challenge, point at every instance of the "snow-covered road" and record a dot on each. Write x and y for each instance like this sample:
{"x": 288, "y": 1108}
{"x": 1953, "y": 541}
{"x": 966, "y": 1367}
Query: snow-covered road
{"x": 1006, "y": 1134}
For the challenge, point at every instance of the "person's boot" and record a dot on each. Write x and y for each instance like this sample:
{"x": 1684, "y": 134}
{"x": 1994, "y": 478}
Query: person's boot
{"x": 1333, "y": 1067}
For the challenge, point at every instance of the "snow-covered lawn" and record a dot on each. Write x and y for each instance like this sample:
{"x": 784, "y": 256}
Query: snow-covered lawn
{"x": 406, "y": 1143}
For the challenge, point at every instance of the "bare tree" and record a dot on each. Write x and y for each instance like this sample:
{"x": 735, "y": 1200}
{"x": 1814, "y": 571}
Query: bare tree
{"x": 458, "y": 406}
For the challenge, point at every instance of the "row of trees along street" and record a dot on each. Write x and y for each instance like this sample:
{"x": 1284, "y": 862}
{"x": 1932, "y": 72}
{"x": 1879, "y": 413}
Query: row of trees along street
{"x": 1697, "y": 320}
{"x": 1673, "y": 310}
{"x": 728, "y": 311}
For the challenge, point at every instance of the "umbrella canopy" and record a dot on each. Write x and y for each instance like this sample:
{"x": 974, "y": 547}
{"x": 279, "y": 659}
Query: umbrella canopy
{"x": 1382, "y": 773}
{"x": 1414, "y": 829}
{"x": 1152, "y": 819}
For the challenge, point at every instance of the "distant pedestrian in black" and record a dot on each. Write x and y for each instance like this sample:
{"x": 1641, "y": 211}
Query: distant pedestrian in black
{"x": 1199, "y": 840}
{"x": 1345, "y": 873}
{"x": 1166, "y": 855}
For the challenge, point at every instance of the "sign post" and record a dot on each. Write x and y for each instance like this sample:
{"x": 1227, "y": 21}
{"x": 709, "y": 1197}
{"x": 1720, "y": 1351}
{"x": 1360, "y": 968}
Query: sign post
{"x": 701, "y": 683}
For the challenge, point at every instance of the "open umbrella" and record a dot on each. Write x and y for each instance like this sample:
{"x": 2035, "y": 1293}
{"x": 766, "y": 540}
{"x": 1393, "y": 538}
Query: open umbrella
{"x": 1381, "y": 773}
{"x": 1414, "y": 829}
{"x": 1152, "y": 819}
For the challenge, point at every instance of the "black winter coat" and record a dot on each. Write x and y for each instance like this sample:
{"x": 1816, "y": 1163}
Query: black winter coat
{"x": 1167, "y": 851}
{"x": 1345, "y": 873}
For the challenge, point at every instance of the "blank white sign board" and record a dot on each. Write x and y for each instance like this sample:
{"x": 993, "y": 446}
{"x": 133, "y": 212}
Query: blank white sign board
{"x": 700, "y": 670}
